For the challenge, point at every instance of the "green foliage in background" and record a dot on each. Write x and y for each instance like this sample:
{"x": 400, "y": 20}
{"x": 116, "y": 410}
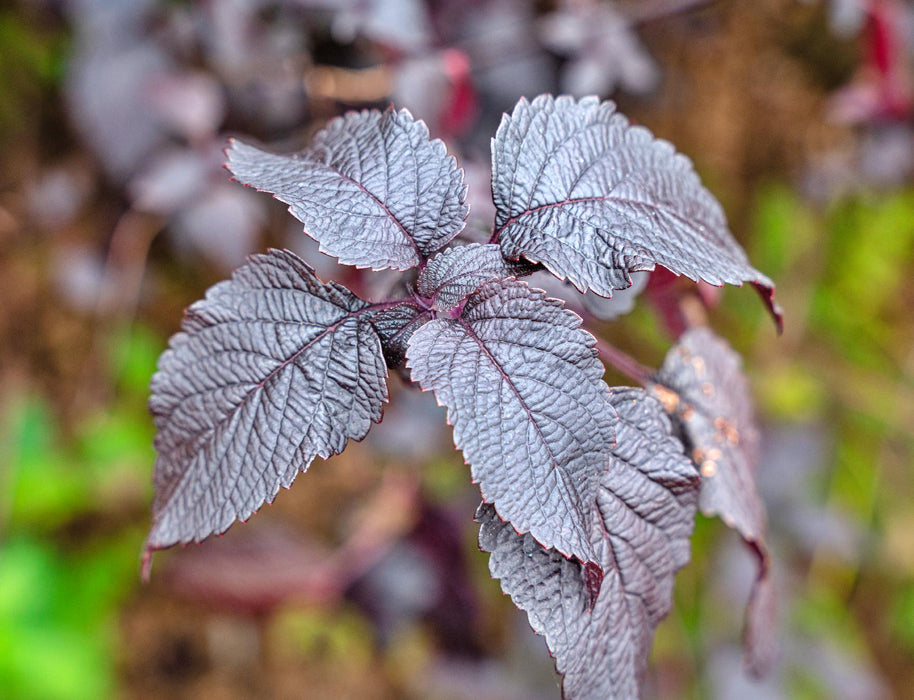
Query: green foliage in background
{"x": 31, "y": 60}
{"x": 71, "y": 528}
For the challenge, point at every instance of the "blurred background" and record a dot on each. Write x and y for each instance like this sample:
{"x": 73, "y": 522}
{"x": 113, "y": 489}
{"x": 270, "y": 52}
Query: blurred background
{"x": 364, "y": 580}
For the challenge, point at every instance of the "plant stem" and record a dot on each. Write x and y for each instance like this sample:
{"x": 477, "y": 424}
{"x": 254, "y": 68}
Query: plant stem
{"x": 625, "y": 363}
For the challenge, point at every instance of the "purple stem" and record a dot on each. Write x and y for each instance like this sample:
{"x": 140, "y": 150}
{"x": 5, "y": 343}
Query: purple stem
{"x": 625, "y": 363}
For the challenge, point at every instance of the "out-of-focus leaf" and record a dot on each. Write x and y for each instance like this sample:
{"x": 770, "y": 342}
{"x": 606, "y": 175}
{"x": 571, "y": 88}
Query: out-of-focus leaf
{"x": 255, "y": 570}
{"x": 79, "y": 276}
{"x": 524, "y": 392}
{"x": 270, "y": 370}
{"x": 44, "y": 652}
{"x": 601, "y": 636}
{"x": 710, "y": 400}
{"x": 372, "y": 188}
{"x": 506, "y": 57}
{"x": 594, "y": 199}
{"x": 414, "y": 429}
{"x": 191, "y": 103}
{"x": 602, "y": 48}
{"x": 172, "y": 179}
{"x": 401, "y": 24}
{"x": 438, "y": 88}
{"x": 223, "y": 225}
{"x": 58, "y": 195}
{"x": 588, "y": 303}
{"x": 621, "y": 303}
{"x": 107, "y": 90}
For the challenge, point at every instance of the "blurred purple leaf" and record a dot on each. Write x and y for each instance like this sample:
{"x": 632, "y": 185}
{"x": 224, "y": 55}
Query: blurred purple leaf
{"x": 400, "y": 24}
{"x": 413, "y": 428}
{"x": 256, "y": 569}
{"x": 712, "y": 405}
{"x": 326, "y": 266}
{"x": 886, "y": 154}
{"x": 173, "y": 179}
{"x": 728, "y": 680}
{"x": 603, "y": 51}
{"x": 58, "y": 195}
{"x": 108, "y": 92}
{"x": 398, "y": 589}
{"x": 190, "y": 103}
{"x": 79, "y": 276}
{"x": 224, "y": 225}
{"x": 506, "y": 59}
{"x": 588, "y": 303}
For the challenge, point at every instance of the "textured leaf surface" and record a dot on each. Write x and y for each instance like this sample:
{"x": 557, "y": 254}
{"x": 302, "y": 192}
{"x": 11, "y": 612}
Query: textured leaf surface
{"x": 457, "y": 272}
{"x": 270, "y": 370}
{"x": 523, "y": 388}
{"x": 715, "y": 410}
{"x": 646, "y": 506}
{"x": 592, "y": 198}
{"x": 372, "y": 188}
{"x": 713, "y": 407}
{"x": 395, "y": 327}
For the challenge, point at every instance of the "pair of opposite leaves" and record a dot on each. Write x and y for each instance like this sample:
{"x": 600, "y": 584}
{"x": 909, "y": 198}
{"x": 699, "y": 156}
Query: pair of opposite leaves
{"x": 275, "y": 367}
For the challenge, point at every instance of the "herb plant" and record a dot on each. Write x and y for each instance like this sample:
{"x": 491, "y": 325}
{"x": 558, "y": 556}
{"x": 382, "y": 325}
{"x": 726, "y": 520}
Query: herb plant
{"x": 589, "y": 494}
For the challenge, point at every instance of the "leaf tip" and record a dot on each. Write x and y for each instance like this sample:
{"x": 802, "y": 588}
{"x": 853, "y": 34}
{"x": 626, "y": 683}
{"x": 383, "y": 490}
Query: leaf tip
{"x": 593, "y": 581}
{"x": 766, "y": 292}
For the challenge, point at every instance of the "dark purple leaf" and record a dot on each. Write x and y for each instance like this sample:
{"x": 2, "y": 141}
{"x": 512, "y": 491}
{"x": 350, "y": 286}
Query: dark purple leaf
{"x": 646, "y": 505}
{"x": 457, "y": 272}
{"x": 270, "y": 370}
{"x": 372, "y": 188}
{"x": 711, "y": 402}
{"x": 593, "y": 199}
{"x": 524, "y": 392}
{"x": 395, "y": 327}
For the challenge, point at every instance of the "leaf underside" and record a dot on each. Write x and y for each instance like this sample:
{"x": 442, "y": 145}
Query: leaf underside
{"x": 457, "y": 272}
{"x": 524, "y": 391}
{"x": 372, "y": 189}
{"x": 272, "y": 369}
{"x": 592, "y": 198}
{"x": 714, "y": 412}
{"x": 646, "y": 504}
